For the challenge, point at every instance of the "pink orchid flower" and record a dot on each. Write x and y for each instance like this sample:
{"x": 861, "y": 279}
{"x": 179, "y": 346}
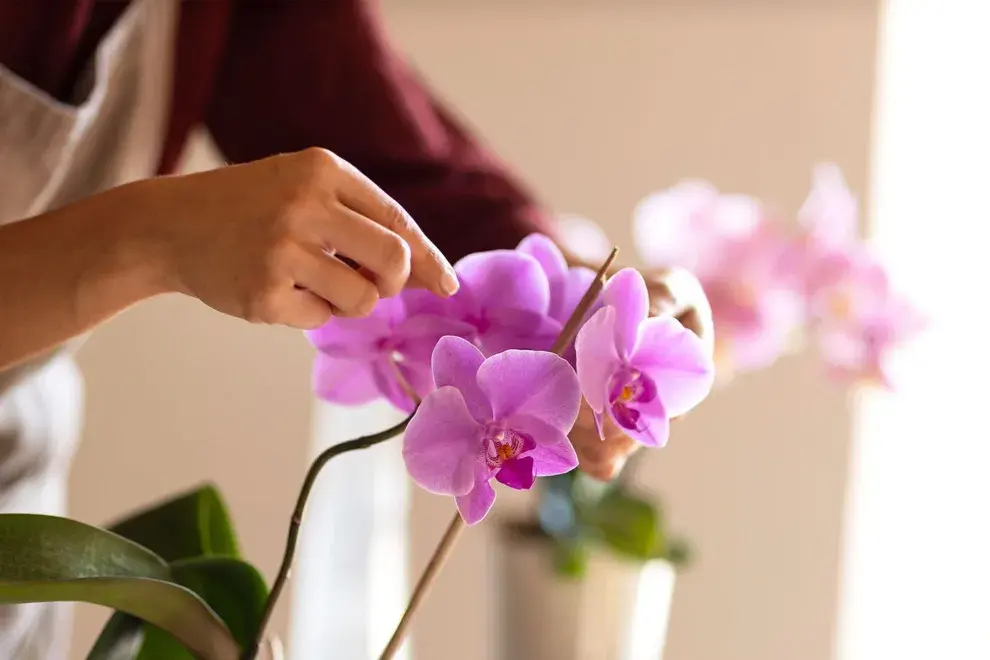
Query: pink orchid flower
{"x": 505, "y": 297}
{"x": 383, "y": 354}
{"x": 640, "y": 371}
{"x": 505, "y": 417}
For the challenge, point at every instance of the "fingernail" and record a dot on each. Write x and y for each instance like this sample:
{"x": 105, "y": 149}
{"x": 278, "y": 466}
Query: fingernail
{"x": 449, "y": 283}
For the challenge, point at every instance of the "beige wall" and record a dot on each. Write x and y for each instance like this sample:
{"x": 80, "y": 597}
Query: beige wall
{"x": 596, "y": 104}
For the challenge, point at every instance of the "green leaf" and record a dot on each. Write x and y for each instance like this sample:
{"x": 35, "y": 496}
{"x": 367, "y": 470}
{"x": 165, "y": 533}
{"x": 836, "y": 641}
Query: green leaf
{"x": 194, "y": 524}
{"x": 48, "y": 559}
{"x": 570, "y": 559}
{"x": 232, "y": 588}
{"x": 629, "y": 524}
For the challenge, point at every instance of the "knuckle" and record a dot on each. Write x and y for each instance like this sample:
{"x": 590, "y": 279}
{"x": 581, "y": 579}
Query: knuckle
{"x": 314, "y": 168}
{"x": 318, "y": 160}
{"x": 366, "y": 302}
{"x": 363, "y": 302}
{"x": 395, "y": 256}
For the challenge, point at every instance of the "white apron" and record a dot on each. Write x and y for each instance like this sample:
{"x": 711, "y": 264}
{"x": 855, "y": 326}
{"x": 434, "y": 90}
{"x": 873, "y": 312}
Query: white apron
{"x": 52, "y": 153}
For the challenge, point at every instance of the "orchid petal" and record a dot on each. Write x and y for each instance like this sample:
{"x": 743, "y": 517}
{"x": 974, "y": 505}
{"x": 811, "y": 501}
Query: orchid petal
{"x": 554, "y": 453}
{"x": 532, "y": 383}
{"x": 395, "y": 379}
{"x": 455, "y": 363}
{"x": 346, "y": 382}
{"x": 596, "y": 358}
{"x": 349, "y": 337}
{"x": 666, "y": 224}
{"x": 475, "y": 505}
{"x": 518, "y": 329}
{"x": 517, "y": 473}
{"x": 505, "y": 279}
{"x": 441, "y": 444}
{"x": 567, "y": 291}
{"x": 626, "y": 292}
{"x": 416, "y": 337}
{"x": 652, "y": 425}
{"x": 677, "y": 361}
{"x": 546, "y": 252}
{"x": 830, "y": 213}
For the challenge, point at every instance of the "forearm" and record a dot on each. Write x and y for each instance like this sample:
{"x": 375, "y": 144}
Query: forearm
{"x": 63, "y": 273}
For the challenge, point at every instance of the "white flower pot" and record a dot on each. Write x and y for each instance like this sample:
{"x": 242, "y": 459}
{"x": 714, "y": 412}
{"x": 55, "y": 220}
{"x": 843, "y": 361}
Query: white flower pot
{"x": 618, "y": 611}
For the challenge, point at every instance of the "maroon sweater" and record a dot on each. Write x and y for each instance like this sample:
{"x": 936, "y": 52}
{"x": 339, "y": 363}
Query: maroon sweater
{"x": 271, "y": 76}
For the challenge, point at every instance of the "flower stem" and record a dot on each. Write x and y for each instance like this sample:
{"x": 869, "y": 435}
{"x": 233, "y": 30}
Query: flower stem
{"x": 442, "y": 551}
{"x": 297, "y": 516}
{"x": 437, "y": 560}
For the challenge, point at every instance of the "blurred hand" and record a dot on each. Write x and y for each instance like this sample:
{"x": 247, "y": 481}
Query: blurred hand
{"x": 264, "y": 241}
{"x": 674, "y": 292}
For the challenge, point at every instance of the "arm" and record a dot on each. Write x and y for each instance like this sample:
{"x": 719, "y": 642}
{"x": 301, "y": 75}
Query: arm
{"x": 66, "y": 271}
{"x": 254, "y": 241}
{"x": 299, "y": 74}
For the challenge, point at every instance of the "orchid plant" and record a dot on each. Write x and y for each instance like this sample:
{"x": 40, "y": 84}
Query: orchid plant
{"x": 492, "y": 381}
{"x": 489, "y": 382}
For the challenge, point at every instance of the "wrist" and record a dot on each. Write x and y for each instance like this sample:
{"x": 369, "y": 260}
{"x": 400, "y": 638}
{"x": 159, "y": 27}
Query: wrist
{"x": 134, "y": 266}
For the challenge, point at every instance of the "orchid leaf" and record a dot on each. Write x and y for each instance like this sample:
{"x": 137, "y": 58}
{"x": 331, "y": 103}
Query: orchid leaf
{"x": 629, "y": 524}
{"x": 49, "y": 559}
{"x": 190, "y": 530}
{"x": 231, "y": 587}
{"x": 194, "y": 524}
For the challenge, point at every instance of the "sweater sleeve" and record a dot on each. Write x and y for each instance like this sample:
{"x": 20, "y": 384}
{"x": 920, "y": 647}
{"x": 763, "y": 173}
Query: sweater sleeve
{"x": 323, "y": 73}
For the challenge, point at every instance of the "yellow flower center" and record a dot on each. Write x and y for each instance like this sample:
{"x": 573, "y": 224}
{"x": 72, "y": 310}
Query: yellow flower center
{"x": 626, "y": 394}
{"x": 505, "y": 452}
{"x": 840, "y": 304}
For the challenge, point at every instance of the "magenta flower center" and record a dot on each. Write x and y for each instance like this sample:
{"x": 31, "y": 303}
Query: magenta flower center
{"x": 503, "y": 445}
{"x": 628, "y": 390}
{"x": 480, "y": 322}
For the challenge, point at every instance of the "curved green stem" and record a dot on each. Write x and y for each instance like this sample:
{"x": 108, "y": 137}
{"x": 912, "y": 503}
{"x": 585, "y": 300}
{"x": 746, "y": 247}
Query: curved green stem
{"x": 297, "y": 515}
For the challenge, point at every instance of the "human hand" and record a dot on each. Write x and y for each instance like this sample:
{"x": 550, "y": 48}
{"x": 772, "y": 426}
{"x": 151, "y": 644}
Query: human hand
{"x": 264, "y": 241}
{"x": 675, "y": 292}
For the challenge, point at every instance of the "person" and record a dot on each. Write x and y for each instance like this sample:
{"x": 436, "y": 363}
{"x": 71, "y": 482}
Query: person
{"x": 340, "y": 150}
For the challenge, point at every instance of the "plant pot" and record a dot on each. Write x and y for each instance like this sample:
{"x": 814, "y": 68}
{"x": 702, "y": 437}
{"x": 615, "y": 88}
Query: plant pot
{"x": 619, "y": 610}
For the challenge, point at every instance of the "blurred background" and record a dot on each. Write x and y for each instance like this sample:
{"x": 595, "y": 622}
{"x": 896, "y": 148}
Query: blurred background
{"x": 824, "y": 525}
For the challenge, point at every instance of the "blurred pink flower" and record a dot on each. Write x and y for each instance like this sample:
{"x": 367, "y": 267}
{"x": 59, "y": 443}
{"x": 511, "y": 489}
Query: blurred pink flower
{"x": 856, "y": 317}
{"x": 741, "y": 259}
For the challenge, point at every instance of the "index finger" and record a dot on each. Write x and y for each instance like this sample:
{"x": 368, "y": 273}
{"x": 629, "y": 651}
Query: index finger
{"x": 428, "y": 265}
